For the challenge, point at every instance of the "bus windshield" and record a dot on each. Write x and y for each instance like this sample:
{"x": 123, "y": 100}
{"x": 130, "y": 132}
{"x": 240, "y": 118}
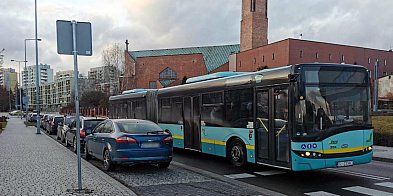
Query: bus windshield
{"x": 332, "y": 100}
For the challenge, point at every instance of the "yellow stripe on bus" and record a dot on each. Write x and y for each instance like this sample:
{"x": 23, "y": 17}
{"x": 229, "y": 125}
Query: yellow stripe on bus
{"x": 250, "y": 147}
{"x": 178, "y": 137}
{"x": 341, "y": 150}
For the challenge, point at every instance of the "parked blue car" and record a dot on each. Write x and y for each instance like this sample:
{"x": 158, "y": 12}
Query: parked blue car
{"x": 128, "y": 142}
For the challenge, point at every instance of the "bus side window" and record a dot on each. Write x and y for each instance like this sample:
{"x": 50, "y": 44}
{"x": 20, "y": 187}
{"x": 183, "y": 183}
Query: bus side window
{"x": 238, "y": 106}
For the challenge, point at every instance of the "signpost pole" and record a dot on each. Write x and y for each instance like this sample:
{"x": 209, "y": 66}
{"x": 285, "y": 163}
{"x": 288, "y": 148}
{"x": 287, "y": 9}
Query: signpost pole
{"x": 76, "y": 75}
{"x": 74, "y": 38}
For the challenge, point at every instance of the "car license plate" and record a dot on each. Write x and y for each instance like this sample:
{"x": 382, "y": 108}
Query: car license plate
{"x": 150, "y": 145}
{"x": 344, "y": 163}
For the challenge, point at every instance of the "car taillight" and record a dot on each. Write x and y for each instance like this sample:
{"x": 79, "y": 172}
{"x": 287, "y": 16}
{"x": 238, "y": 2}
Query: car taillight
{"x": 168, "y": 139}
{"x": 126, "y": 139}
{"x": 82, "y": 133}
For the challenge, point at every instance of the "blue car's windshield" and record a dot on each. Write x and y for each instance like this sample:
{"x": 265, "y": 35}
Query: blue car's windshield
{"x": 137, "y": 128}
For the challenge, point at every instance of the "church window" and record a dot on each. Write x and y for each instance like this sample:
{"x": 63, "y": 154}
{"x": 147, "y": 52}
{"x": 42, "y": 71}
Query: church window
{"x": 253, "y": 4}
{"x": 168, "y": 73}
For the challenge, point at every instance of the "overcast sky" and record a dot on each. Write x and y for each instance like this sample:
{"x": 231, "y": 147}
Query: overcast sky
{"x": 156, "y": 24}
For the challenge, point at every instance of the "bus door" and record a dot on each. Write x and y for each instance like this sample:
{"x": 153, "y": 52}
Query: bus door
{"x": 192, "y": 123}
{"x": 272, "y": 127}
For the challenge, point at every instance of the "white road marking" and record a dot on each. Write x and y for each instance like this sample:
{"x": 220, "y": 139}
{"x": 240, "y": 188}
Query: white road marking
{"x": 237, "y": 176}
{"x": 385, "y": 184}
{"x": 269, "y": 173}
{"x": 380, "y": 178}
{"x": 320, "y": 193}
{"x": 367, "y": 191}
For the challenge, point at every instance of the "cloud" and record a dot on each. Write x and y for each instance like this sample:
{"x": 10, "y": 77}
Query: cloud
{"x": 153, "y": 24}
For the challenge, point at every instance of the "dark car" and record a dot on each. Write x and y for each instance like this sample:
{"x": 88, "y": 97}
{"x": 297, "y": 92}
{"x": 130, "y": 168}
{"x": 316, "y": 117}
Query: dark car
{"x": 129, "y": 141}
{"x": 49, "y": 118}
{"x": 87, "y": 124}
{"x": 43, "y": 121}
{"x": 33, "y": 117}
{"x": 53, "y": 123}
{"x": 64, "y": 127}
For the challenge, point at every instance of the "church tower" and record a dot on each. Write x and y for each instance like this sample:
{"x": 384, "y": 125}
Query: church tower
{"x": 254, "y": 24}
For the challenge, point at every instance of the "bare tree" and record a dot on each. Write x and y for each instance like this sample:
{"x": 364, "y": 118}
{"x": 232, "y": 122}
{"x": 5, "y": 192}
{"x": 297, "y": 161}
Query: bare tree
{"x": 114, "y": 56}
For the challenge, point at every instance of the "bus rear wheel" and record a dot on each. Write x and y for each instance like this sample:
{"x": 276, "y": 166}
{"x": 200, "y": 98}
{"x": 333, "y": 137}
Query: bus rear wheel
{"x": 237, "y": 153}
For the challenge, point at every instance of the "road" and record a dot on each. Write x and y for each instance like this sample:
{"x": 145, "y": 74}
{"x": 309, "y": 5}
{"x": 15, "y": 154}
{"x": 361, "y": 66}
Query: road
{"x": 375, "y": 178}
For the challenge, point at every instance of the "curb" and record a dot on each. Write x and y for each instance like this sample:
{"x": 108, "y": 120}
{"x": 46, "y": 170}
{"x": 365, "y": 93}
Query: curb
{"x": 383, "y": 159}
{"x": 125, "y": 190}
{"x": 261, "y": 190}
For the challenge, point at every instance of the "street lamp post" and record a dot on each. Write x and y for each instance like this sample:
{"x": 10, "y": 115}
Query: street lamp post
{"x": 26, "y": 83}
{"x": 37, "y": 85}
{"x": 20, "y": 82}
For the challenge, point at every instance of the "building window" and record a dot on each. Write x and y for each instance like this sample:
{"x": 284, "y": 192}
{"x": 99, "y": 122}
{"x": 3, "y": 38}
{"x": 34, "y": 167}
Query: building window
{"x": 385, "y": 73}
{"x": 168, "y": 73}
{"x": 253, "y": 4}
{"x": 273, "y": 56}
{"x": 254, "y": 60}
{"x": 316, "y": 55}
{"x": 330, "y": 57}
{"x": 152, "y": 85}
{"x": 385, "y": 62}
{"x": 263, "y": 58}
{"x": 369, "y": 60}
{"x": 342, "y": 58}
{"x": 301, "y": 53}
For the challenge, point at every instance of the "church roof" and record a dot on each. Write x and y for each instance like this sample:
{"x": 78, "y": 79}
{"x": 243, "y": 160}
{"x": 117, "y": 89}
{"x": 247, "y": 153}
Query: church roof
{"x": 214, "y": 56}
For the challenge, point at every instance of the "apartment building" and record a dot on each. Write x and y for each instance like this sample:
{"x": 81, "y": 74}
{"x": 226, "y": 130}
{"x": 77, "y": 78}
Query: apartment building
{"x": 8, "y": 78}
{"x": 105, "y": 78}
{"x": 45, "y": 75}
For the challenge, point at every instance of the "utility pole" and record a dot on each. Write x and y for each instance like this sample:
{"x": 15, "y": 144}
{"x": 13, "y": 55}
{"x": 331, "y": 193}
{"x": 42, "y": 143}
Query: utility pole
{"x": 37, "y": 78}
{"x": 376, "y": 65}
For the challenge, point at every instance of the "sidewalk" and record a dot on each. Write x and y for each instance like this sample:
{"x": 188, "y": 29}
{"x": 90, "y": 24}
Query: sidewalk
{"x": 33, "y": 164}
{"x": 382, "y": 153}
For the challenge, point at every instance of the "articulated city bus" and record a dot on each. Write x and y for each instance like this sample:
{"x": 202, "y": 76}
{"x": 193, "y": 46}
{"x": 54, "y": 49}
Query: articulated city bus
{"x": 297, "y": 117}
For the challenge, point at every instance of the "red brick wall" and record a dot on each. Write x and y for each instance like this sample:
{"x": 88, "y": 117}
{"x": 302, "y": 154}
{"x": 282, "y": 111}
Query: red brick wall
{"x": 288, "y": 52}
{"x": 222, "y": 68}
{"x": 254, "y": 25}
{"x": 251, "y": 60}
{"x": 149, "y": 68}
{"x": 352, "y": 55}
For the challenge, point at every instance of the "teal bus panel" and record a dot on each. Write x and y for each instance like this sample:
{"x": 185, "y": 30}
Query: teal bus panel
{"x": 331, "y": 152}
{"x": 177, "y": 134}
{"x": 214, "y": 140}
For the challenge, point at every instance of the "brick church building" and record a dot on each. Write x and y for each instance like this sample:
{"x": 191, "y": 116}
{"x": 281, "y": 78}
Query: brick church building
{"x": 169, "y": 67}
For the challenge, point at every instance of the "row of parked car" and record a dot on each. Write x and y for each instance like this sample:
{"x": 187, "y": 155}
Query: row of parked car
{"x": 114, "y": 141}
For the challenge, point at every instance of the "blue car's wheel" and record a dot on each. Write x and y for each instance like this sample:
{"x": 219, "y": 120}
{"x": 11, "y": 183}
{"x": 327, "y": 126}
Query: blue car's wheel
{"x": 87, "y": 155}
{"x": 108, "y": 165}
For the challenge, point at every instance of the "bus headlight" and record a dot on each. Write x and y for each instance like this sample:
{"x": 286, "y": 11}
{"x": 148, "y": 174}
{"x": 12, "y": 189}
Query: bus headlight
{"x": 368, "y": 149}
{"x": 309, "y": 154}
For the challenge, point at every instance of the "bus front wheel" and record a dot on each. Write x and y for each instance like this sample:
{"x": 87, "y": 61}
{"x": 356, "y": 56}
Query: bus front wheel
{"x": 237, "y": 153}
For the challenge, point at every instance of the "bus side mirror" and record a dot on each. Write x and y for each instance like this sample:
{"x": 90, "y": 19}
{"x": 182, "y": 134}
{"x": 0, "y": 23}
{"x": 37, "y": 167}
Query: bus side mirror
{"x": 293, "y": 77}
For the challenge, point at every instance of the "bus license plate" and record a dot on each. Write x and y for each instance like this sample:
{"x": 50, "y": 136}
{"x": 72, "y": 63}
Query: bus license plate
{"x": 344, "y": 163}
{"x": 150, "y": 145}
